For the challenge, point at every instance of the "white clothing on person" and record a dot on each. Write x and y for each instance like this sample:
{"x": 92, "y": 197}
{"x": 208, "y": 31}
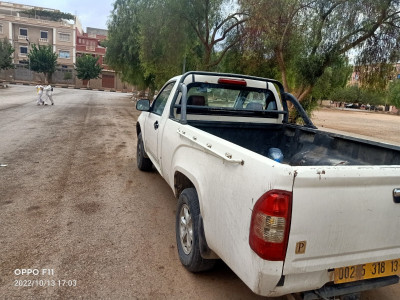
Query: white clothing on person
{"x": 39, "y": 89}
{"x": 49, "y": 93}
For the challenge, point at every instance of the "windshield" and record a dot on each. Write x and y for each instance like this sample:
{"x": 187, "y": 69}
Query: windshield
{"x": 231, "y": 97}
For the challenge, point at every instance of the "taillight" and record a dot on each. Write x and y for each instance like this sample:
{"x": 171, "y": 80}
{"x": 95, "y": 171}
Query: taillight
{"x": 270, "y": 222}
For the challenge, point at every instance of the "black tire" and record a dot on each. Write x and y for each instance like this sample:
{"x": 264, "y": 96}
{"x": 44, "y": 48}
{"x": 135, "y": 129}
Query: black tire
{"x": 143, "y": 163}
{"x": 189, "y": 248}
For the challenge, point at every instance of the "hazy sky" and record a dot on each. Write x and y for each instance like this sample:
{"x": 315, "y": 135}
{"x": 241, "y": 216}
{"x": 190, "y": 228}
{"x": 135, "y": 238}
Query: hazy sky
{"x": 91, "y": 13}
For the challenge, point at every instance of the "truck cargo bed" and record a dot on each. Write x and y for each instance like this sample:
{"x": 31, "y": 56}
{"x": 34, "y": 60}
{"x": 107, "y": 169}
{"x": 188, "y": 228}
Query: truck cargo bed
{"x": 303, "y": 146}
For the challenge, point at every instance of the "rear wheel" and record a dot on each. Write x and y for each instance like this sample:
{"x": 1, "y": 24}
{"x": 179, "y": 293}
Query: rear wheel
{"x": 187, "y": 233}
{"x": 143, "y": 162}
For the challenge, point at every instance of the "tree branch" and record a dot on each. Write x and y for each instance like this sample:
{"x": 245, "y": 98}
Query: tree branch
{"x": 368, "y": 33}
{"x": 318, "y": 39}
{"x": 219, "y": 26}
{"x": 226, "y": 31}
{"x": 222, "y": 54}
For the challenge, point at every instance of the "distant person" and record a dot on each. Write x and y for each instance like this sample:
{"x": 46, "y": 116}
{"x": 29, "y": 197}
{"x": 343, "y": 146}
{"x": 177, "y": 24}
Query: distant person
{"x": 49, "y": 93}
{"x": 39, "y": 89}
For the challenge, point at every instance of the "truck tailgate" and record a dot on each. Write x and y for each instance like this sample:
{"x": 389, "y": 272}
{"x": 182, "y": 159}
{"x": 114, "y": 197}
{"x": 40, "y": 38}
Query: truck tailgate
{"x": 343, "y": 216}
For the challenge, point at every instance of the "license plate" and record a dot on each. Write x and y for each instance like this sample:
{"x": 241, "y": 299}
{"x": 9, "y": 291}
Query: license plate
{"x": 367, "y": 271}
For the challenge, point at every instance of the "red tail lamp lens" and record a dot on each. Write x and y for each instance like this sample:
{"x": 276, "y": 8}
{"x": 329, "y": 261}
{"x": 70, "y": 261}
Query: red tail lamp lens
{"x": 270, "y": 222}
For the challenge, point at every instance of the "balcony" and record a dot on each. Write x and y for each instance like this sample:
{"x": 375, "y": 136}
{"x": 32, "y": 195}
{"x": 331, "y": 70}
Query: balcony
{"x": 90, "y": 48}
{"x": 42, "y": 40}
{"x": 22, "y": 37}
{"x": 22, "y": 54}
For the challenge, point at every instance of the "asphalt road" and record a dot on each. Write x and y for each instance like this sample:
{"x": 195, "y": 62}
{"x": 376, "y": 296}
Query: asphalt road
{"x": 76, "y": 212}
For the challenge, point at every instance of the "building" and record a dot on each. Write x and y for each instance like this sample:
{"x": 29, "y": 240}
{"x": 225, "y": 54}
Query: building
{"x": 90, "y": 43}
{"x": 387, "y": 71}
{"x": 25, "y": 25}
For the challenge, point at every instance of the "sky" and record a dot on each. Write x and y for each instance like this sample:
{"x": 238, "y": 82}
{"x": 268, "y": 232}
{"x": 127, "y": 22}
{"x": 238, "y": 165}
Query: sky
{"x": 91, "y": 13}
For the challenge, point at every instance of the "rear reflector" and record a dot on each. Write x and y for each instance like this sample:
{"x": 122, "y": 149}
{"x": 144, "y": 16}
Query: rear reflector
{"x": 270, "y": 222}
{"x": 241, "y": 82}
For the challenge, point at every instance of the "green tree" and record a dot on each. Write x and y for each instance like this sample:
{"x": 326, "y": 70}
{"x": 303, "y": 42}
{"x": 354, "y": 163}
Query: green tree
{"x": 334, "y": 77}
{"x": 87, "y": 68}
{"x": 5, "y": 54}
{"x": 355, "y": 94}
{"x": 149, "y": 41}
{"x": 46, "y": 14}
{"x": 216, "y": 27}
{"x": 42, "y": 59}
{"x": 376, "y": 76}
{"x": 305, "y": 37}
{"x": 162, "y": 47}
{"x": 242, "y": 59}
{"x": 394, "y": 93}
{"x": 124, "y": 43}
{"x": 350, "y": 94}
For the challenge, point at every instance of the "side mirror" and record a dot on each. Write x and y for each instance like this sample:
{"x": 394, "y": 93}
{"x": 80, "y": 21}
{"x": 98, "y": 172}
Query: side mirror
{"x": 143, "y": 105}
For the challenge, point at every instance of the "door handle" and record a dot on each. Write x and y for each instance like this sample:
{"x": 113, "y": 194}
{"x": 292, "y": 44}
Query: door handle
{"x": 396, "y": 195}
{"x": 156, "y": 125}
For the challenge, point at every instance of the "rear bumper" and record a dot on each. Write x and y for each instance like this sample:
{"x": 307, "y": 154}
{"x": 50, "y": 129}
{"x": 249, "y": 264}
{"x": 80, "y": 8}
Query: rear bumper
{"x": 328, "y": 291}
{"x": 317, "y": 285}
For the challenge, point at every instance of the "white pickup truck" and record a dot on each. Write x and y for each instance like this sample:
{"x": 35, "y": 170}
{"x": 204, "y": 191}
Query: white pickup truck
{"x": 287, "y": 207}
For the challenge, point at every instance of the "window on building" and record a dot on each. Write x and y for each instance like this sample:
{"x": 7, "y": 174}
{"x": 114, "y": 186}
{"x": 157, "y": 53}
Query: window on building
{"x": 43, "y": 34}
{"x": 23, "y": 31}
{"x": 63, "y": 54}
{"x": 23, "y": 50}
{"x": 64, "y": 37}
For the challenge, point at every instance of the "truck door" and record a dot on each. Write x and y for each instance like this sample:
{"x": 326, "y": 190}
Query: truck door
{"x": 153, "y": 121}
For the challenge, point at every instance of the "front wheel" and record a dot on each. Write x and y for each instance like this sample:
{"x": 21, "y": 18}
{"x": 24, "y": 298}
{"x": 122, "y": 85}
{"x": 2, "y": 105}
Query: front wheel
{"x": 143, "y": 162}
{"x": 187, "y": 233}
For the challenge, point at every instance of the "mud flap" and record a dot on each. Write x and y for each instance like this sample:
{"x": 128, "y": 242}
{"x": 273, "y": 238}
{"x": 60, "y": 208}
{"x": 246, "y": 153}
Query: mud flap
{"x": 205, "y": 251}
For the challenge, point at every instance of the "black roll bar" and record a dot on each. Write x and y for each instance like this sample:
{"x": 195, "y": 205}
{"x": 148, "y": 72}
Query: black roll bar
{"x": 285, "y": 96}
{"x": 183, "y": 89}
{"x": 292, "y": 99}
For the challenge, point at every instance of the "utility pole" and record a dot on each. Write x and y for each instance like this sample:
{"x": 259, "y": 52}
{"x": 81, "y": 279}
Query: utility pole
{"x": 29, "y": 59}
{"x": 29, "y": 48}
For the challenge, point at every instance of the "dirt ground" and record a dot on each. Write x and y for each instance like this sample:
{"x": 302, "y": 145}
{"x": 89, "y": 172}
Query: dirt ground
{"x": 76, "y": 212}
{"x": 376, "y": 125}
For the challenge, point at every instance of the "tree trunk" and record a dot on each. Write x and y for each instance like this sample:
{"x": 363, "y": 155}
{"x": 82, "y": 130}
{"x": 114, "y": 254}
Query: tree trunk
{"x": 305, "y": 93}
{"x": 48, "y": 77}
{"x": 207, "y": 59}
{"x": 282, "y": 69}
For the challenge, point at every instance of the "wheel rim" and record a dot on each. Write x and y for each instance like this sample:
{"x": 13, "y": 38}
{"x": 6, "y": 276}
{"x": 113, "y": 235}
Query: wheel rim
{"x": 186, "y": 229}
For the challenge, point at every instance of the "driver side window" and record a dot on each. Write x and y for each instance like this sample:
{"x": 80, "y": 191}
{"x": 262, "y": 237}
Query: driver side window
{"x": 159, "y": 103}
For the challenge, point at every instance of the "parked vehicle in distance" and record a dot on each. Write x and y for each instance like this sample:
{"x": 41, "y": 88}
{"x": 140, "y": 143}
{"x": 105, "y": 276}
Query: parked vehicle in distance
{"x": 352, "y": 105}
{"x": 289, "y": 208}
